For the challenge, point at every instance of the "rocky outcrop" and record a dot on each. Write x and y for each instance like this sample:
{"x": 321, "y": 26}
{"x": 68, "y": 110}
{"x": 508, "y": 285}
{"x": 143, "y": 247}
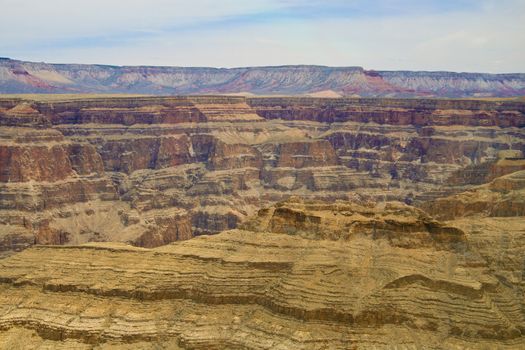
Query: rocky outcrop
{"x": 415, "y": 112}
{"x": 31, "y": 77}
{"x": 503, "y": 197}
{"x": 54, "y": 190}
{"x": 333, "y": 276}
{"x": 492, "y": 216}
{"x": 400, "y": 224}
{"x": 318, "y": 153}
{"x": 157, "y": 169}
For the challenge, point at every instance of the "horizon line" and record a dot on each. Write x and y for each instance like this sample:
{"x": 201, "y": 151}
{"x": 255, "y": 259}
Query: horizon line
{"x": 254, "y": 67}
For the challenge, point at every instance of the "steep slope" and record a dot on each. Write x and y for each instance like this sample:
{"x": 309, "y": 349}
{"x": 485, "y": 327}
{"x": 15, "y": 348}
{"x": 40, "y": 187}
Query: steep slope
{"x": 31, "y": 77}
{"x": 502, "y": 197}
{"x": 246, "y": 290}
{"x": 493, "y": 219}
{"x": 151, "y": 170}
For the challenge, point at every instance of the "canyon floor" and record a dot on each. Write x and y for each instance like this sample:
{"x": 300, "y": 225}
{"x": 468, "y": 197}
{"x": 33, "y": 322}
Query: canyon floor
{"x": 230, "y": 222}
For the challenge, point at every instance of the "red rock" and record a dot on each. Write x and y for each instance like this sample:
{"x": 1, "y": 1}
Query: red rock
{"x": 306, "y": 154}
{"x": 34, "y": 162}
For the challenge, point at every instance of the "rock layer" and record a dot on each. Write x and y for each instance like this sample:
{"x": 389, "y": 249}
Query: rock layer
{"x": 258, "y": 290}
{"x": 31, "y": 77}
{"x": 503, "y": 197}
{"x": 156, "y": 169}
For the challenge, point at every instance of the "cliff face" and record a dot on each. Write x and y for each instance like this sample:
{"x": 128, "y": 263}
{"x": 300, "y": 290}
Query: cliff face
{"x": 399, "y": 224}
{"x": 150, "y": 170}
{"x": 320, "y": 249}
{"x": 502, "y": 197}
{"x": 30, "y": 77}
{"x": 399, "y": 279}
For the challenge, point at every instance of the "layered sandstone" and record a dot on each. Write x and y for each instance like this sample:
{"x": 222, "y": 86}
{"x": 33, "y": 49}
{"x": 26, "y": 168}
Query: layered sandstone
{"x": 401, "y": 225}
{"x": 32, "y": 77}
{"x": 156, "y": 169}
{"x": 503, "y": 197}
{"x": 493, "y": 219}
{"x": 297, "y": 288}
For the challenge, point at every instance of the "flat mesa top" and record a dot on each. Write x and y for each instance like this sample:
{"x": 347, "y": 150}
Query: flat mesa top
{"x": 62, "y": 97}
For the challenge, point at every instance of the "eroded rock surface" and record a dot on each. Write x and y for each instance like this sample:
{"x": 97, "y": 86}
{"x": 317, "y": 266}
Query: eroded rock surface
{"x": 401, "y": 225}
{"x": 289, "y": 289}
{"x": 502, "y": 197}
{"x": 150, "y": 170}
{"x": 38, "y": 77}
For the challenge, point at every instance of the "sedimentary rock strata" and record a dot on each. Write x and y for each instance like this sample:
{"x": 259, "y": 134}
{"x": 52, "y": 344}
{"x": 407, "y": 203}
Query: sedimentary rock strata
{"x": 401, "y": 225}
{"x": 502, "y": 197}
{"x": 318, "y": 81}
{"x": 150, "y": 170}
{"x": 257, "y": 290}
{"x": 300, "y": 274}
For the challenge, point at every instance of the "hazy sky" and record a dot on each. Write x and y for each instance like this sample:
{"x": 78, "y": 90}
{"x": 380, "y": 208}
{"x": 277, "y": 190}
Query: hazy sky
{"x": 457, "y": 35}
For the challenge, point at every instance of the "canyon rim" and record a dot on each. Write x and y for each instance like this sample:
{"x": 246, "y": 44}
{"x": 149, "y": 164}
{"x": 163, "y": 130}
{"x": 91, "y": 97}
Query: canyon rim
{"x": 271, "y": 174}
{"x": 203, "y": 222}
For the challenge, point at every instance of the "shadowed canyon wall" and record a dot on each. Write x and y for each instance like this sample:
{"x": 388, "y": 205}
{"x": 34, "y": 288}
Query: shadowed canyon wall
{"x": 321, "y": 248}
{"x": 152, "y": 170}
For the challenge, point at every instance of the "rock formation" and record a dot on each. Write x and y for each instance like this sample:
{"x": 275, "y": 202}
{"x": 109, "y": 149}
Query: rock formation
{"x": 503, "y": 197}
{"x": 331, "y": 276}
{"x": 317, "y": 81}
{"x": 320, "y": 249}
{"x": 401, "y": 225}
{"x": 151, "y": 170}
{"x": 493, "y": 218}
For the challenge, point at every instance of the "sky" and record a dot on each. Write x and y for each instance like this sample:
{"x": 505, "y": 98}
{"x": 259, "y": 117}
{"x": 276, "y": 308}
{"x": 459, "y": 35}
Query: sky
{"x": 451, "y": 35}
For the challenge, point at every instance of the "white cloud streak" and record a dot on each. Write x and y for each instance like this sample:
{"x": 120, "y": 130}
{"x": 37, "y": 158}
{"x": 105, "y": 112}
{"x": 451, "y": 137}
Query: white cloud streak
{"x": 185, "y": 33}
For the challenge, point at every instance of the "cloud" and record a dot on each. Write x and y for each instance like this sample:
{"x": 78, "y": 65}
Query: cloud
{"x": 459, "y": 35}
{"x": 29, "y": 19}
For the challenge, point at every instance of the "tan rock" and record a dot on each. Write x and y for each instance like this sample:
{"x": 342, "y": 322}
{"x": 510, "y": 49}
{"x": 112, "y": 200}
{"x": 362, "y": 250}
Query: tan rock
{"x": 503, "y": 197}
{"x": 255, "y": 290}
{"x": 223, "y": 158}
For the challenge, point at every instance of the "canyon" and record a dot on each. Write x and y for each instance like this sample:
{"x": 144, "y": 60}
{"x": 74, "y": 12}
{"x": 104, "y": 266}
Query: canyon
{"x": 317, "y": 81}
{"x": 229, "y": 222}
{"x": 302, "y": 274}
{"x": 148, "y": 171}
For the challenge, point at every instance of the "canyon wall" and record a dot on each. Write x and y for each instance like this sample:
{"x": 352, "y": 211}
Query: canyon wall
{"x": 319, "y": 81}
{"x": 321, "y": 248}
{"x": 152, "y": 170}
{"x": 299, "y": 275}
